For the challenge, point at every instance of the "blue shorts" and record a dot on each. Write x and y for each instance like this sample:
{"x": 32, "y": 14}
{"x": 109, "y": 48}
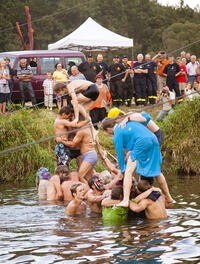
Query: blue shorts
{"x": 90, "y": 157}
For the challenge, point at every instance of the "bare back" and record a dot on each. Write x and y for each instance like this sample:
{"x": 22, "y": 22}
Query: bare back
{"x": 87, "y": 143}
{"x": 60, "y": 128}
{"x": 78, "y": 86}
{"x": 156, "y": 209}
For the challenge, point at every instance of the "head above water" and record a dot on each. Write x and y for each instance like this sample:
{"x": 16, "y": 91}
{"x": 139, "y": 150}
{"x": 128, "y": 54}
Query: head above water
{"x": 117, "y": 193}
{"x": 95, "y": 183}
{"x": 62, "y": 170}
{"x": 77, "y": 191}
{"x": 145, "y": 183}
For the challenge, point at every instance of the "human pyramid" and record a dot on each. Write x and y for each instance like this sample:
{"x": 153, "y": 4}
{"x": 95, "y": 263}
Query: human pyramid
{"x": 137, "y": 142}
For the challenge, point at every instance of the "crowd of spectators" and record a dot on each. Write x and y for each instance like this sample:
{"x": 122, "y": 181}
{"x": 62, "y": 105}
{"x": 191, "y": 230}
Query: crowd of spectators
{"x": 123, "y": 82}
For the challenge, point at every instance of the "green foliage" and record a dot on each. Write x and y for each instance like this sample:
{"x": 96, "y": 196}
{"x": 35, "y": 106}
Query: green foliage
{"x": 147, "y": 22}
{"x": 19, "y": 129}
{"x": 181, "y": 146}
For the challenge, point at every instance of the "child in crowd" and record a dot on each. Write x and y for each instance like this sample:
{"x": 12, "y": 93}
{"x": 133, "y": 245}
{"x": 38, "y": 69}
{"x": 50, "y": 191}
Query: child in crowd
{"x": 192, "y": 92}
{"x": 48, "y": 91}
{"x": 4, "y": 88}
{"x": 42, "y": 181}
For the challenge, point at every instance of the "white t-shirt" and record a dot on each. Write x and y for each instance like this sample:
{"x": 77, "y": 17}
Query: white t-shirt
{"x": 49, "y": 86}
{"x": 167, "y": 106}
{"x": 192, "y": 68}
{"x": 192, "y": 93}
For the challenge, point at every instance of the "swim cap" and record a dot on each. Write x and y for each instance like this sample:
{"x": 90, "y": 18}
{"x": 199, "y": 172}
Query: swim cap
{"x": 43, "y": 173}
{"x": 114, "y": 112}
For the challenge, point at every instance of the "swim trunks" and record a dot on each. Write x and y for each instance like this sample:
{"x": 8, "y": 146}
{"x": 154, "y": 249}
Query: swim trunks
{"x": 90, "y": 157}
{"x": 64, "y": 153}
{"x": 92, "y": 92}
{"x": 160, "y": 136}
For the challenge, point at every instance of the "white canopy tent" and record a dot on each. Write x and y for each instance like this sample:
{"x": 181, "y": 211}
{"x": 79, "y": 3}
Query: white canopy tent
{"x": 92, "y": 36}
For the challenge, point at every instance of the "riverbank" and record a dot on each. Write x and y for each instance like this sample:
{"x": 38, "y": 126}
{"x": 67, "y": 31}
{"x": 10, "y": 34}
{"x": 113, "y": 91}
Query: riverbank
{"x": 180, "y": 148}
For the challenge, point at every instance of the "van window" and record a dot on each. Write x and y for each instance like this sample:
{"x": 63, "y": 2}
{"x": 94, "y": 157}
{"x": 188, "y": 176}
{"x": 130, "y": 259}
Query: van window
{"x": 12, "y": 59}
{"x": 30, "y": 61}
{"x": 48, "y": 64}
{"x": 70, "y": 61}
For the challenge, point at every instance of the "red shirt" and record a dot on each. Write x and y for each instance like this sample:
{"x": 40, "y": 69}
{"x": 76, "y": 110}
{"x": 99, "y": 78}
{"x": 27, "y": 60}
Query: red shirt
{"x": 182, "y": 78}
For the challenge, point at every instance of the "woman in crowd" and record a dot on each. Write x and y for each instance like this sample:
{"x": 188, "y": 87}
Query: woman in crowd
{"x": 60, "y": 75}
{"x": 4, "y": 87}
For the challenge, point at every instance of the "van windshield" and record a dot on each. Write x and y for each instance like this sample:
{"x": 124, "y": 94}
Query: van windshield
{"x": 70, "y": 61}
{"x": 12, "y": 59}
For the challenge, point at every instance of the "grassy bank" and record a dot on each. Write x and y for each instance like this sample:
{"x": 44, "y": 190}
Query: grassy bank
{"x": 181, "y": 147}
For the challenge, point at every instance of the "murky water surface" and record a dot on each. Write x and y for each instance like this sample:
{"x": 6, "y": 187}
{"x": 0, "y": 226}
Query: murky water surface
{"x": 38, "y": 232}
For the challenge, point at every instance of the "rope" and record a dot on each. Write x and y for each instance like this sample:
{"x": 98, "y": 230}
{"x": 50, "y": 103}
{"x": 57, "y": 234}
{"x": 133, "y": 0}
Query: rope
{"x": 72, "y": 131}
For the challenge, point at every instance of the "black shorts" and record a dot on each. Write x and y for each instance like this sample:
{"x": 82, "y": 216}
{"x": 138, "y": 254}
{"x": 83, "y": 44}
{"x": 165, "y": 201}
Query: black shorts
{"x": 92, "y": 92}
{"x": 3, "y": 98}
{"x": 160, "y": 136}
{"x": 74, "y": 153}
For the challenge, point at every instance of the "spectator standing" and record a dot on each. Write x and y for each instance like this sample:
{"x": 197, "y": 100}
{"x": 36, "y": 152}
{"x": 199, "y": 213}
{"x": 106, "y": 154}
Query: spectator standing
{"x": 162, "y": 62}
{"x": 25, "y": 74}
{"x": 4, "y": 87}
{"x": 11, "y": 81}
{"x": 188, "y": 58}
{"x": 168, "y": 99}
{"x": 171, "y": 71}
{"x": 48, "y": 91}
{"x": 76, "y": 75}
{"x": 183, "y": 54}
{"x": 128, "y": 88}
{"x": 60, "y": 75}
{"x": 90, "y": 69}
{"x": 116, "y": 71}
{"x": 182, "y": 77}
{"x": 98, "y": 110}
{"x": 151, "y": 79}
{"x": 103, "y": 66}
{"x": 140, "y": 80}
{"x": 192, "y": 69}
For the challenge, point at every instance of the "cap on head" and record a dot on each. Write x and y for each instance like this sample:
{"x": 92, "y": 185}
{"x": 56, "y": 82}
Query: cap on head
{"x": 124, "y": 57}
{"x": 99, "y": 77}
{"x": 116, "y": 57}
{"x": 43, "y": 173}
{"x": 115, "y": 112}
{"x": 90, "y": 55}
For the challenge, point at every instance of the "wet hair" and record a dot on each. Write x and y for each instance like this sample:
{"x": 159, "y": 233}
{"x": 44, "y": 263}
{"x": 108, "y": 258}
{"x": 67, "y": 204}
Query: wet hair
{"x": 58, "y": 87}
{"x": 145, "y": 183}
{"x": 117, "y": 193}
{"x": 62, "y": 169}
{"x": 108, "y": 123}
{"x": 66, "y": 109}
{"x": 92, "y": 180}
{"x": 74, "y": 188}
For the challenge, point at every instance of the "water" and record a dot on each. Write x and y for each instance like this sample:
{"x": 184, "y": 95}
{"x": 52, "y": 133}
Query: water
{"x": 38, "y": 232}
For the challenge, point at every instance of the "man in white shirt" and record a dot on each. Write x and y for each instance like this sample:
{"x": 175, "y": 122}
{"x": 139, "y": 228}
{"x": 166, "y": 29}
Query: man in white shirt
{"x": 168, "y": 99}
{"x": 76, "y": 75}
{"x": 192, "y": 69}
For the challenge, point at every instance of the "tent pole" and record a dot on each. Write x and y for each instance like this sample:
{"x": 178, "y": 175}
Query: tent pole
{"x": 132, "y": 53}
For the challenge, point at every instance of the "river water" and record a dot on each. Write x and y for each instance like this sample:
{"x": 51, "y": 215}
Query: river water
{"x": 38, "y": 232}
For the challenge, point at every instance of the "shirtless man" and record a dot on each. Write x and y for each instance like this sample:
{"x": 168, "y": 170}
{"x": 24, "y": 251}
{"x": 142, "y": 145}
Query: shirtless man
{"x": 54, "y": 190}
{"x": 77, "y": 205}
{"x": 61, "y": 125}
{"x": 66, "y": 185}
{"x": 81, "y": 91}
{"x": 84, "y": 138}
{"x": 154, "y": 207}
{"x": 96, "y": 194}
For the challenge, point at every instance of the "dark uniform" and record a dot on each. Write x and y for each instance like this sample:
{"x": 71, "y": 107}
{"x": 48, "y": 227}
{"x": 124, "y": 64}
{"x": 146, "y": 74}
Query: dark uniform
{"x": 140, "y": 84}
{"x": 128, "y": 88}
{"x": 171, "y": 70}
{"x": 90, "y": 70}
{"x": 104, "y": 68}
{"x": 116, "y": 87}
{"x": 151, "y": 82}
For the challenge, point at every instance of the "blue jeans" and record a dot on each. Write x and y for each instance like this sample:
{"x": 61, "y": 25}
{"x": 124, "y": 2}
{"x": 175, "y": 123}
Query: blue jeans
{"x": 191, "y": 79}
{"x": 22, "y": 87}
{"x": 163, "y": 113}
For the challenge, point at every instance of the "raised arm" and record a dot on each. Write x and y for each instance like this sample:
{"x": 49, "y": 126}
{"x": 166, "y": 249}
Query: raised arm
{"x": 95, "y": 198}
{"x": 133, "y": 117}
{"x": 138, "y": 207}
{"x": 74, "y": 102}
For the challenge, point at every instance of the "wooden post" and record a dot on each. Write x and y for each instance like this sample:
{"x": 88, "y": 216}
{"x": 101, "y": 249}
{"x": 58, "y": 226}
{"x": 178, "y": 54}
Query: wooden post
{"x": 21, "y": 36}
{"x": 30, "y": 30}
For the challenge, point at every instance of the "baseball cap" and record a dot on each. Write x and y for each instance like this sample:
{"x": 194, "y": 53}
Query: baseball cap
{"x": 124, "y": 57}
{"x": 116, "y": 56}
{"x": 90, "y": 55}
{"x": 43, "y": 173}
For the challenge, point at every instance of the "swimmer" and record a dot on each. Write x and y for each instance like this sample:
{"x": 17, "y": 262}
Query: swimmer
{"x": 96, "y": 194}
{"x": 154, "y": 204}
{"x": 61, "y": 125}
{"x": 54, "y": 190}
{"x": 145, "y": 154}
{"x": 77, "y": 205}
{"x": 66, "y": 185}
{"x": 42, "y": 180}
{"x": 87, "y": 149}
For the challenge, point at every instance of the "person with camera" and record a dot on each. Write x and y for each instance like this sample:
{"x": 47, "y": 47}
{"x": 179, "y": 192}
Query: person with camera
{"x": 168, "y": 99}
{"x": 161, "y": 59}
